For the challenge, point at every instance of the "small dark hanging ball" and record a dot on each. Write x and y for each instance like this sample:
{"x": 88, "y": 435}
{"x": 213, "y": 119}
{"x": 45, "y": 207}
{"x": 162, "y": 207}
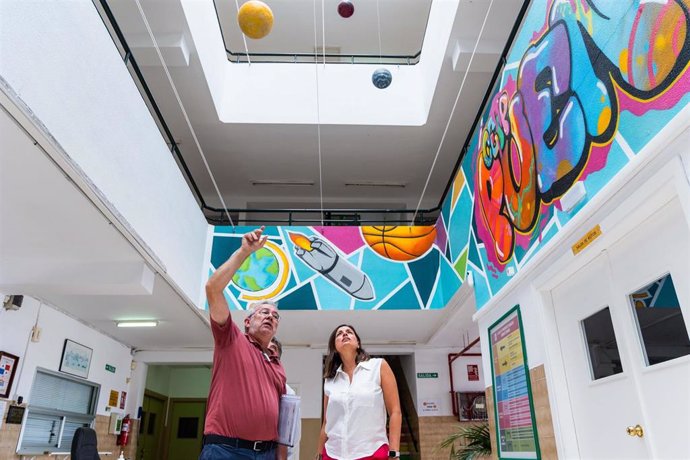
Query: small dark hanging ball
{"x": 381, "y": 78}
{"x": 346, "y": 9}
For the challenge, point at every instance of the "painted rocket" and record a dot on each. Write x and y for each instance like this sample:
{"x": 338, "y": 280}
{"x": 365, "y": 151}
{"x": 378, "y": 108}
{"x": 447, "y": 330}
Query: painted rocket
{"x": 321, "y": 257}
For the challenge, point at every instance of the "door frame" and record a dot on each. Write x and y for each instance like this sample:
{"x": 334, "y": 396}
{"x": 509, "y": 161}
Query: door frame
{"x": 617, "y": 217}
{"x": 166, "y": 401}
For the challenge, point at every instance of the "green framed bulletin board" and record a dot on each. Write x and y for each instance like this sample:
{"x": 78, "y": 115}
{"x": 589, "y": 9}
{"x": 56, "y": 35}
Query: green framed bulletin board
{"x": 516, "y": 427}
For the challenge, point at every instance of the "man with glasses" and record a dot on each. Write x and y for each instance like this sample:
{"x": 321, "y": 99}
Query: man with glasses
{"x": 247, "y": 378}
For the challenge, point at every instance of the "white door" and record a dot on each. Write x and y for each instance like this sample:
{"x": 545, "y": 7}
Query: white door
{"x": 603, "y": 395}
{"x": 627, "y": 362}
{"x": 659, "y": 250}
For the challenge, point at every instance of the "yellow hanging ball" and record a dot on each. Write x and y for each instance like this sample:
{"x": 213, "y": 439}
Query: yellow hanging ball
{"x": 255, "y": 19}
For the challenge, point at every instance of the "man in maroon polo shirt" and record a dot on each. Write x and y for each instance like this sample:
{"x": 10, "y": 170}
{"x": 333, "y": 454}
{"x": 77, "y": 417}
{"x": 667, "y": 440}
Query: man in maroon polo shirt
{"x": 247, "y": 379}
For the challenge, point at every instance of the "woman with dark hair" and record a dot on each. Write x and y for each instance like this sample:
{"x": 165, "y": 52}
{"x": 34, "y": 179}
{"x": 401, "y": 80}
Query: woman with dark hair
{"x": 358, "y": 391}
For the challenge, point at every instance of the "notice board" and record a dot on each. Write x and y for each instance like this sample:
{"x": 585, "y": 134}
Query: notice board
{"x": 516, "y": 427}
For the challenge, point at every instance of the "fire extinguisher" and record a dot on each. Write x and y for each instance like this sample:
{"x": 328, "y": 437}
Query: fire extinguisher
{"x": 123, "y": 437}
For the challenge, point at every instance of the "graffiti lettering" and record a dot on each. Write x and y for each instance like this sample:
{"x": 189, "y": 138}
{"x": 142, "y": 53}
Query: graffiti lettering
{"x": 541, "y": 129}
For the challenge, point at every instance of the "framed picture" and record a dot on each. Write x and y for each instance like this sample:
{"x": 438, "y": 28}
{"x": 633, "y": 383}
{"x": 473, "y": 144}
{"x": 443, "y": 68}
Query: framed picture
{"x": 76, "y": 359}
{"x": 8, "y": 367}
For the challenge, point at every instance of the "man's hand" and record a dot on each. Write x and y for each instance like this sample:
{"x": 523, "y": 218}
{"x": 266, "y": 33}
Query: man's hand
{"x": 218, "y": 306}
{"x": 253, "y": 241}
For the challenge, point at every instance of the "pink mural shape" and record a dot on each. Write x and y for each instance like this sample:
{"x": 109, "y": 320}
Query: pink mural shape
{"x": 347, "y": 239}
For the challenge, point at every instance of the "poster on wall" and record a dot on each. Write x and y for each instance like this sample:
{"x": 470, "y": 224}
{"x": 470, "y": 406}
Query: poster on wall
{"x": 8, "y": 367}
{"x": 513, "y": 406}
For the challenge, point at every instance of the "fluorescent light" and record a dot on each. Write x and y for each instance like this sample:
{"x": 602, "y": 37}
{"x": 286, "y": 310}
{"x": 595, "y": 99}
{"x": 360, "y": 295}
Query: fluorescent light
{"x": 297, "y": 183}
{"x": 375, "y": 184}
{"x": 137, "y": 323}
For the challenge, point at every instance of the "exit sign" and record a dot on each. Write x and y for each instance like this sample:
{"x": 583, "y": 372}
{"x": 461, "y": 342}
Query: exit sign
{"x": 110, "y": 368}
{"x": 427, "y": 375}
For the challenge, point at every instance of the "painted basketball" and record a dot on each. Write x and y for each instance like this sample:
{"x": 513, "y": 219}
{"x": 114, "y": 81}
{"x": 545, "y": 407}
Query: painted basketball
{"x": 255, "y": 19}
{"x": 400, "y": 243}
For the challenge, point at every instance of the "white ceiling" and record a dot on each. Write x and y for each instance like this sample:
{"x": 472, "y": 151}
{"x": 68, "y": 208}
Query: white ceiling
{"x": 90, "y": 270}
{"x": 241, "y": 153}
{"x": 59, "y": 247}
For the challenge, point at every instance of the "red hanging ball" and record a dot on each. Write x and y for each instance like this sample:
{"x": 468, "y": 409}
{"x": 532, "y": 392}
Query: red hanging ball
{"x": 346, "y": 9}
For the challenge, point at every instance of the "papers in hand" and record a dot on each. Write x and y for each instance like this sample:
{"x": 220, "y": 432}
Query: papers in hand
{"x": 288, "y": 419}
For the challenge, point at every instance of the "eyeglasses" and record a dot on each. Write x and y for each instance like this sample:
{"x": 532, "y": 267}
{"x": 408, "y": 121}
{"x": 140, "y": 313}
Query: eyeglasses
{"x": 266, "y": 312}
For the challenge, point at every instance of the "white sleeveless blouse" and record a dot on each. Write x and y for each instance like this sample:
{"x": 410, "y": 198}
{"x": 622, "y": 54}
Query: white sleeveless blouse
{"x": 356, "y": 412}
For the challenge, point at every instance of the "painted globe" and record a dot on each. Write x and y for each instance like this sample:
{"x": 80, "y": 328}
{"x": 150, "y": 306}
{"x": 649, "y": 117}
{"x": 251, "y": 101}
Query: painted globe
{"x": 255, "y": 19}
{"x": 382, "y": 78}
{"x": 346, "y": 9}
{"x": 401, "y": 243}
{"x": 258, "y": 272}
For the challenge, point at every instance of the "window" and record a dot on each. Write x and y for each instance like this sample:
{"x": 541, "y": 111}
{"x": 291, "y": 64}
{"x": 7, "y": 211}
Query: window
{"x": 604, "y": 357}
{"x": 58, "y": 406}
{"x": 188, "y": 428}
{"x": 660, "y": 321}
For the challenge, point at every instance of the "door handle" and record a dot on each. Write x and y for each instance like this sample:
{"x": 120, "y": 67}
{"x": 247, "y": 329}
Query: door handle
{"x": 635, "y": 431}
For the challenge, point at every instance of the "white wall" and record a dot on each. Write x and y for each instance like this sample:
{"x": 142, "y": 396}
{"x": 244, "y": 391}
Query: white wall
{"x": 15, "y": 334}
{"x": 527, "y": 297}
{"x": 303, "y": 368}
{"x": 190, "y": 382}
{"x": 60, "y": 60}
{"x": 158, "y": 379}
{"x": 438, "y": 390}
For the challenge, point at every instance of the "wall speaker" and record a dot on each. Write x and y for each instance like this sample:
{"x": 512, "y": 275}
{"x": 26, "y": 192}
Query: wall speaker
{"x": 13, "y": 302}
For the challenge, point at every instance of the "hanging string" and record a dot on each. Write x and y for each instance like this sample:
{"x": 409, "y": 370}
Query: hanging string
{"x": 378, "y": 21}
{"x": 323, "y": 32}
{"x": 244, "y": 38}
{"x": 445, "y": 131}
{"x": 184, "y": 112}
{"x": 318, "y": 107}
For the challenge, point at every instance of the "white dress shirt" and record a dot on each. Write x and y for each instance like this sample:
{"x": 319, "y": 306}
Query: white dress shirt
{"x": 356, "y": 412}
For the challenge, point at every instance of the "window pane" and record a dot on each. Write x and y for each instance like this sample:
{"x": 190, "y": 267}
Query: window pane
{"x": 56, "y": 400}
{"x": 188, "y": 428}
{"x": 604, "y": 358}
{"x": 660, "y": 321}
{"x": 152, "y": 423}
{"x": 41, "y": 430}
{"x": 68, "y": 432}
{"x": 54, "y": 392}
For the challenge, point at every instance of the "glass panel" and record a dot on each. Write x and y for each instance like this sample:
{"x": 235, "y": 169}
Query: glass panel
{"x": 41, "y": 430}
{"x": 660, "y": 321}
{"x": 604, "y": 358}
{"x": 68, "y": 432}
{"x": 152, "y": 423}
{"x": 188, "y": 428}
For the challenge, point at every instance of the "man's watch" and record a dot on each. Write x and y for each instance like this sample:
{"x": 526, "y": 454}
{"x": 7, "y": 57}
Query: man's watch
{"x": 393, "y": 454}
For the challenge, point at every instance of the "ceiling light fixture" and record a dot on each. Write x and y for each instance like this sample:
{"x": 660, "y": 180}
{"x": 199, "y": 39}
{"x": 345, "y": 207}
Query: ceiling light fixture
{"x": 292, "y": 183}
{"x": 146, "y": 323}
{"x": 375, "y": 184}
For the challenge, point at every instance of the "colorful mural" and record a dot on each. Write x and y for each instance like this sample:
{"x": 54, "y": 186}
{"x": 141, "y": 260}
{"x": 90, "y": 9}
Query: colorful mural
{"x": 340, "y": 268}
{"x": 586, "y": 86}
